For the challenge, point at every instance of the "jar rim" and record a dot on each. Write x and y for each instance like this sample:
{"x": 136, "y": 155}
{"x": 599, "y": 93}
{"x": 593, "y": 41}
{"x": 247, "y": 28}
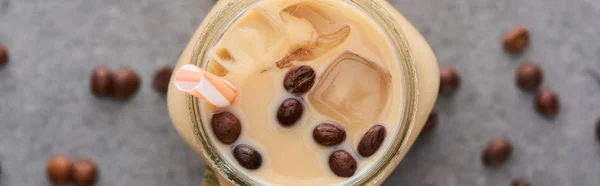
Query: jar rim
{"x": 229, "y": 13}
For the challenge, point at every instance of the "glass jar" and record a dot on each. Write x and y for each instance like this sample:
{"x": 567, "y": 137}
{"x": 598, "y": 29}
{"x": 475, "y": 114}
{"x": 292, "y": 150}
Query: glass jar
{"x": 418, "y": 63}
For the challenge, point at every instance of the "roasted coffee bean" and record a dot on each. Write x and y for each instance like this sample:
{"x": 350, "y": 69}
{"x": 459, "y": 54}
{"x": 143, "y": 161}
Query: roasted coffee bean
{"x": 162, "y": 76}
{"x": 126, "y": 83}
{"x": 289, "y": 112}
{"x": 371, "y": 141}
{"x": 430, "y": 123}
{"x": 84, "y": 172}
{"x": 496, "y": 152}
{"x": 327, "y": 134}
{"x": 226, "y": 127}
{"x": 516, "y": 39}
{"x": 3, "y": 55}
{"x": 299, "y": 79}
{"x": 520, "y": 182}
{"x": 449, "y": 79}
{"x": 247, "y": 156}
{"x": 58, "y": 169}
{"x": 342, "y": 163}
{"x": 101, "y": 82}
{"x": 529, "y": 76}
{"x": 547, "y": 102}
{"x": 598, "y": 129}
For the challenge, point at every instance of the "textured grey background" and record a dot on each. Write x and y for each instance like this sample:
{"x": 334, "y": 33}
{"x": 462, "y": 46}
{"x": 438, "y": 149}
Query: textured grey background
{"x": 46, "y": 107}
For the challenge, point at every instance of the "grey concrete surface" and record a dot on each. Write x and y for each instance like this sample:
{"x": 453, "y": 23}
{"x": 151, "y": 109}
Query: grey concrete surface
{"x": 46, "y": 107}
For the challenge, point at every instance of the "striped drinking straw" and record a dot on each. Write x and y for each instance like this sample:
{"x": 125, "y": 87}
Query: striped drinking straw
{"x": 204, "y": 85}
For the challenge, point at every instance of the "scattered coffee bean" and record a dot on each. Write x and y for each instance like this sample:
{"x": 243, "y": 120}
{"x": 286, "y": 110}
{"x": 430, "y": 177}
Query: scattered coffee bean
{"x": 162, "y": 76}
{"x": 370, "y": 142}
{"x": 449, "y": 79}
{"x": 598, "y": 129}
{"x": 547, "y": 102}
{"x": 342, "y": 163}
{"x": 299, "y": 79}
{"x": 84, "y": 172}
{"x": 126, "y": 83}
{"x": 58, "y": 169}
{"x": 226, "y": 127}
{"x": 328, "y": 134}
{"x": 529, "y": 76}
{"x": 247, "y": 156}
{"x": 430, "y": 123}
{"x": 290, "y": 112}
{"x": 516, "y": 39}
{"x": 496, "y": 152}
{"x": 520, "y": 182}
{"x": 101, "y": 81}
{"x": 3, "y": 55}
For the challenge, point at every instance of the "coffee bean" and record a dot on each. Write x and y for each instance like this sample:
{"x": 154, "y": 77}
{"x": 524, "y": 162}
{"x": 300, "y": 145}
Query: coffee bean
{"x": 547, "y": 102}
{"x": 3, "y": 55}
{"x": 247, "y": 156}
{"x": 370, "y": 142}
{"x": 101, "y": 82}
{"x": 598, "y": 129}
{"x": 449, "y": 79}
{"x": 342, "y": 163}
{"x": 299, "y": 79}
{"x": 58, "y": 169}
{"x": 126, "y": 83}
{"x": 516, "y": 39}
{"x": 496, "y": 152}
{"x": 226, "y": 127}
{"x": 520, "y": 182}
{"x": 162, "y": 76}
{"x": 529, "y": 76}
{"x": 328, "y": 134}
{"x": 289, "y": 112}
{"x": 84, "y": 172}
{"x": 430, "y": 123}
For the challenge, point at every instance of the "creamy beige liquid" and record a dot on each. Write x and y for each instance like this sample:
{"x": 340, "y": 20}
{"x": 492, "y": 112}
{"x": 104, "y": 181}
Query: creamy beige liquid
{"x": 359, "y": 84}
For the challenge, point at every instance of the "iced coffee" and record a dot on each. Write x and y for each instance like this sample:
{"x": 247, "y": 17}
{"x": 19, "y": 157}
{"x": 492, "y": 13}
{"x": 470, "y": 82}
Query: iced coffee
{"x": 319, "y": 92}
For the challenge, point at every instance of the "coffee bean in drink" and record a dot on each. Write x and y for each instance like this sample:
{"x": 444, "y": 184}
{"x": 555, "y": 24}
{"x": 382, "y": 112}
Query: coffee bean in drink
{"x": 58, "y": 169}
{"x": 430, "y": 123}
{"x": 371, "y": 141}
{"x": 289, "y": 112}
{"x": 547, "y": 102}
{"x": 516, "y": 39}
{"x": 3, "y": 55}
{"x": 328, "y": 134}
{"x": 84, "y": 172}
{"x": 299, "y": 79}
{"x": 496, "y": 152}
{"x": 162, "y": 76}
{"x": 101, "y": 82}
{"x": 520, "y": 182}
{"x": 342, "y": 163}
{"x": 529, "y": 76}
{"x": 449, "y": 79}
{"x": 226, "y": 127}
{"x": 247, "y": 156}
{"x": 126, "y": 83}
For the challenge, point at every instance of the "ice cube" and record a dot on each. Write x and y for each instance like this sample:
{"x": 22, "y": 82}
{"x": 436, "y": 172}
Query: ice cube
{"x": 328, "y": 42}
{"x": 351, "y": 90}
{"x": 330, "y": 33}
{"x": 317, "y": 14}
